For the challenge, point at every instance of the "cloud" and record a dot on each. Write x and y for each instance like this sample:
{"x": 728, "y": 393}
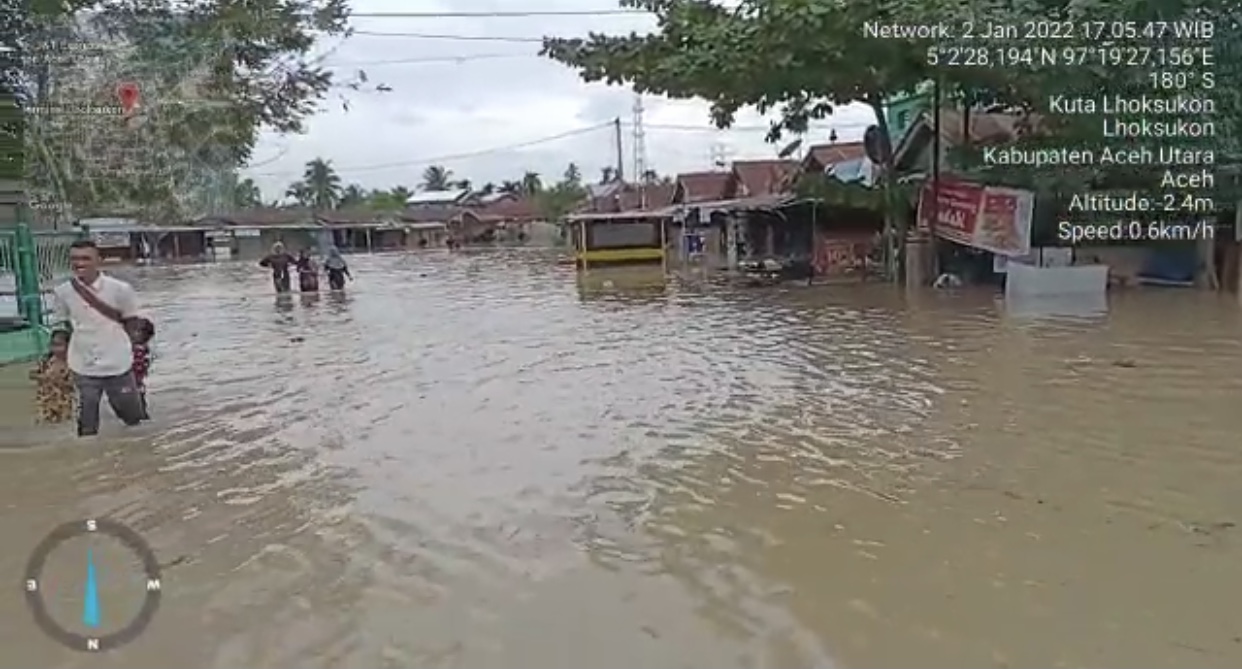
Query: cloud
{"x": 460, "y": 103}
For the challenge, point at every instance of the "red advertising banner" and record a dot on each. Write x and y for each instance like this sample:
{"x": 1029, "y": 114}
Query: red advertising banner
{"x": 986, "y": 217}
{"x": 842, "y": 255}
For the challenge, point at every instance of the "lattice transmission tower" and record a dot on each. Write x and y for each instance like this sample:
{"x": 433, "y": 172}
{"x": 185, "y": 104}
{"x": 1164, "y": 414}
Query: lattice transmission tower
{"x": 640, "y": 146}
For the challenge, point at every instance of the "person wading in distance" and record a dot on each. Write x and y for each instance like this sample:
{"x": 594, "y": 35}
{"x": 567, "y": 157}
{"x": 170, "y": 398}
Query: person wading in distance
{"x": 338, "y": 269}
{"x": 96, "y": 308}
{"x": 279, "y": 261}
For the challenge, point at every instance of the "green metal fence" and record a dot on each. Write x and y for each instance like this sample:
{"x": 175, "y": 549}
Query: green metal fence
{"x": 32, "y": 263}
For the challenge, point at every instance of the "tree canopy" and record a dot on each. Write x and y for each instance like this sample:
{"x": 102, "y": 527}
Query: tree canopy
{"x": 321, "y": 187}
{"x": 214, "y": 73}
{"x": 797, "y": 57}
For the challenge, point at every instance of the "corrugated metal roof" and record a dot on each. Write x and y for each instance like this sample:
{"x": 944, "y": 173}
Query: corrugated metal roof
{"x": 702, "y": 186}
{"x": 764, "y": 177}
{"x": 491, "y": 198}
{"x": 434, "y": 213}
{"x": 438, "y": 196}
{"x": 621, "y": 215}
{"x": 604, "y": 190}
{"x": 770, "y": 201}
{"x": 108, "y": 223}
{"x": 830, "y": 154}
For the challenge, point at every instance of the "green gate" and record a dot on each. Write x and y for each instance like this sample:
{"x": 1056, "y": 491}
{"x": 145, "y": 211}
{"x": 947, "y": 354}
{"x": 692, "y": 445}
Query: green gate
{"x": 32, "y": 263}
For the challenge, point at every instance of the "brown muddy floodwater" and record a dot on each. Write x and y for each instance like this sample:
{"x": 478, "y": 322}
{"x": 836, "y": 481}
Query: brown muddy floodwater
{"x": 468, "y": 462}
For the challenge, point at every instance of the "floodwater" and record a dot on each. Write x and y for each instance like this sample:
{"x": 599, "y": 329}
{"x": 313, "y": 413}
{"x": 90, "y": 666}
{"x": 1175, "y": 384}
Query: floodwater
{"x": 467, "y": 461}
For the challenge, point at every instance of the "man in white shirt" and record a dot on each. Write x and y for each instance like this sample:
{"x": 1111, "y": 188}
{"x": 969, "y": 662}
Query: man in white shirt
{"x": 96, "y": 307}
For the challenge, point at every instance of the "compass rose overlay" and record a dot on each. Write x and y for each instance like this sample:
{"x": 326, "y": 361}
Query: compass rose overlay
{"x": 35, "y": 589}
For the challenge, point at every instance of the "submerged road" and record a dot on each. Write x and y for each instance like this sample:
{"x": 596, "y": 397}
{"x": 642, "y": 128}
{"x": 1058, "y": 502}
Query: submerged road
{"x": 467, "y": 461}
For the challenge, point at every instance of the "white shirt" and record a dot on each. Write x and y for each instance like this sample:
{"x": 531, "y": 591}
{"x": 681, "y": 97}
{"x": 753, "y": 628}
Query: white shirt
{"x": 99, "y": 346}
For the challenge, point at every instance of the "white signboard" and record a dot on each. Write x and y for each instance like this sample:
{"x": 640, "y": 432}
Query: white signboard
{"x": 111, "y": 240}
{"x": 1000, "y": 263}
{"x": 1048, "y": 256}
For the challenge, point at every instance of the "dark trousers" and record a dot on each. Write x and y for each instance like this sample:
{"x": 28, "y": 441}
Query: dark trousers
{"x": 123, "y": 397}
{"x": 336, "y": 279}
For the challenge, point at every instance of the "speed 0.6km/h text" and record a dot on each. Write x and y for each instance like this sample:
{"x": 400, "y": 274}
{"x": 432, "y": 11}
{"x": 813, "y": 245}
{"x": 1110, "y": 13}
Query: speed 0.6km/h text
{"x": 1134, "y": 231}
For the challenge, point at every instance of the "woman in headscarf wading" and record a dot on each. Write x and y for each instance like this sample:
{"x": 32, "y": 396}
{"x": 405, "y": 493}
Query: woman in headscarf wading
{"x": 338, "y": 269}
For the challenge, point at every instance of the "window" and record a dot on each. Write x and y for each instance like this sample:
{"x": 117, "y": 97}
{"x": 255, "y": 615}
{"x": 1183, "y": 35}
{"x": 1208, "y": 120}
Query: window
{"x": 624, "y": 235}
{"x": 903, "y": 119}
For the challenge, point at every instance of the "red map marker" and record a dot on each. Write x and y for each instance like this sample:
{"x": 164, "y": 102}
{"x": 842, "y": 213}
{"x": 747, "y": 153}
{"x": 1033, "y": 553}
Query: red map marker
{"x": 127, "y": 93}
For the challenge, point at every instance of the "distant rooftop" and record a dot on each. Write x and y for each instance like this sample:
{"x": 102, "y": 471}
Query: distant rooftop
{"x": 438, "y": 196}
{"x": 104, "y": 223}
{"x": 605, "y": 189}
{"x": 492, "y": 198}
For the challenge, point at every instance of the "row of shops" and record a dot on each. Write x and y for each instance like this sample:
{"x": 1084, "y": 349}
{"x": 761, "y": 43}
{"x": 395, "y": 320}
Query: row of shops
{"x": 228, "y": 238}
{"x": 839, "y": 242}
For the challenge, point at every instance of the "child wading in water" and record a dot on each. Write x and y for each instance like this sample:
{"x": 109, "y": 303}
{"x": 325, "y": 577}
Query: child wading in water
{"x": 308, "y": 274}
{"x": 141, "y": 331}
{"x": 54, "y": 392}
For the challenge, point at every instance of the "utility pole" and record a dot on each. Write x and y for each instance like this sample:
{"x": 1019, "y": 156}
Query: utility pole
{"x": 616, "y": 126}
{"x": 719, "y": 156}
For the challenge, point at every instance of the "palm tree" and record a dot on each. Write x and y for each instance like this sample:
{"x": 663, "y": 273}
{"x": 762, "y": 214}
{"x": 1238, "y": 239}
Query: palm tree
{"x": 401, "y": 194}
{"x": 393, "y": 199}
{"x": 488, "y": 188}
{"x": 531, "y": 183}
{"x": 323, "y": 184}
{"x": 462, "y": 184}
{"x": 383, "y": 200}
{"x": 573, "y": 175}
{"x": 436, "y": 178}
{"x": 299, "y": 193}
{"x": 353, "y": 195}
{"x": 246, "y": 194}
{"x": 607, "y": 175}
{"x": 511, "y": 187}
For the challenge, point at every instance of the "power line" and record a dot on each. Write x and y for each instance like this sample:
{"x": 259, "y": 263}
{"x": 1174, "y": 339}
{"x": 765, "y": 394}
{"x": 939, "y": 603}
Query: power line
{"x": 542, "y": 140}
{"x": 498, "y": 15}
{"x": 464, "y": 58}
{"x": 756, "y": 128}
{"x": 458, "y": 38}
{"x": 460, "y": 156}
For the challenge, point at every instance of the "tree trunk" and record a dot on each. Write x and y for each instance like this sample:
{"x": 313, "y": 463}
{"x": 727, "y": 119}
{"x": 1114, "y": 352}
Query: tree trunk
{"x": 894, "y": 224}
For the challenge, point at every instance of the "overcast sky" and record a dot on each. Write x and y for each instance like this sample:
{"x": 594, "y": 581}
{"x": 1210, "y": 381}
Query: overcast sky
{"x": 464, "y": 113}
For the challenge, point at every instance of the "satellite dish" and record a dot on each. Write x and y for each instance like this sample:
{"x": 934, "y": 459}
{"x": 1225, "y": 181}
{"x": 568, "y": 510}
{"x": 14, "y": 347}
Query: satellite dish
{"x": 790, "y": 148}
{"x": 877, "y": 146}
